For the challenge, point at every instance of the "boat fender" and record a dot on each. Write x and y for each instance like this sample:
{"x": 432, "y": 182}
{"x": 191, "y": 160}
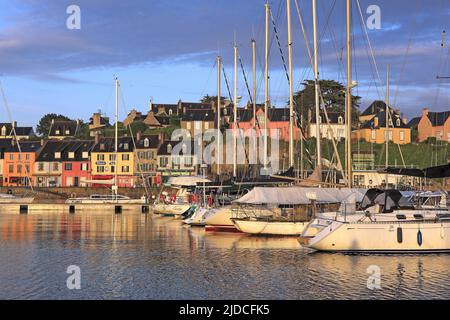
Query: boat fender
{"x": 419, "y": 238}
{"x": 399, "y": 235}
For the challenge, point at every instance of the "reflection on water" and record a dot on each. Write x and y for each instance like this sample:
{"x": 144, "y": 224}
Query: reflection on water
{"x": 145, "y": 257}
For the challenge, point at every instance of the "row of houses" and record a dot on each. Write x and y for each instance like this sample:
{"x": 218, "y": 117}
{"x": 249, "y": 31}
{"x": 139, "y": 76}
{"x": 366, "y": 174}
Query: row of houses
{"x": 71, "y": 163}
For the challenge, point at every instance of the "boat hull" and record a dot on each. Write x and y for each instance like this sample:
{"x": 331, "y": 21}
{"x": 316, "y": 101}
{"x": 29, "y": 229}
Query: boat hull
{"x": 171, "y": 209}
{"x": 276, "y": 228}
{"x": 395, "y": 237}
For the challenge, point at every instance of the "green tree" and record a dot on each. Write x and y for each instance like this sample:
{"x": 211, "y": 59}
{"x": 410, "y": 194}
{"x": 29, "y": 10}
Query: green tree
{"x": 43, "y": 126}
{"x": 138, "y": 126}
{"x": 209, "y": 99}
{"x": 333, "y": 94}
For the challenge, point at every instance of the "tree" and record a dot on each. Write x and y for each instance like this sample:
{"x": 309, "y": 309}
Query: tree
{"x": 333, "y": 94}
{"x": 209, "y": 99}
{"x": 43, "y": 126}
{"x": 138, "y": 126}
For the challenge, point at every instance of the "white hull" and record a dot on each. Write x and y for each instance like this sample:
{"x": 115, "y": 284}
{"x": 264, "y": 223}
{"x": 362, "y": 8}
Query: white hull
{"x": 217, "y": 219}
{"x": 381, "y": 236}
{"x": 197, "y": 218}
{"x": 95, "y": 201}
{"x": 279, "y": 228}
{"x": 170, "y": 209}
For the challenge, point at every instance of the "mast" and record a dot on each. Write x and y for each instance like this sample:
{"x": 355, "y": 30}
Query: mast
{"x": 219, "y": 60}
{"x": 116, "y": 130}
{"x": 235, "y": 111}
{"x": 348, "y": 100}
{"x": 266, "y": 84}
{"x": 316, "y": 87}
{"x": 255, "y": 147}
{"x": 386, "y": 136}
{"x": 291, "y": 92}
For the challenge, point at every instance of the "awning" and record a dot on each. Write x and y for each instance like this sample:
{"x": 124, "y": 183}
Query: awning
{"x": 298, "y": 195}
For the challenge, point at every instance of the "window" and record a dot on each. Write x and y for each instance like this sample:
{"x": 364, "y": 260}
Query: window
{"x": 198, "y": 125}
{"x": 170, "y": 112}
{"x": 102, "y": 146}
{"x": 176, "y": 160}
{"x": 67, "y": 131}
{"x": 19, "y": 157}
{"x": 113, "y": 169}
{"x": 85, "y": 155}
{"x": 19, "y": 168}
{"x": 27, "y": 169}
{"x": 11, "y": 168}
{"x": 100, "y": 157}
{"x": 55, "y": 166}
{"x": 68, "y": 166}
{"x": 57, "y": 155}
{"x": 27, "y": 156}
{"x": 57, "y": 131}
{"x": 3, "y": 131}
{"x": 40, "y": 166}
{"x": 340, "y": 120}
{"x": 125, "y": 169}
{"x": 11, "y": 156}
{"x": 206, "y": 125}
{"x": 397, "y": 122}
{"x": 146, "y": 143}
{"x": 71, "y": 155}
{"x": 112, "y": 157}
{"x": 100, "y": 169}
{"x": 85, "y": 167}
{"x": 125, "y": 157}
{"x": 402, "y": 135}
{"x": 188, "y": 125}
{"x": 126, "y": 146}
{"x": 188, "y": 161}
{"x": 169, "y": 148}
{"x": 374, "y": 134}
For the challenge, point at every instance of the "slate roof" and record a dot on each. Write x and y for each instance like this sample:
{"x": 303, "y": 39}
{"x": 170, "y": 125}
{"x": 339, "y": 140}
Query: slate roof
{"x": 108, "y": 145}
{"x": 20, "y": 131}
{"x": 25, "y": 146}
{"x": 163, "y": 149}
{"x": 333, "y": 117}
{"x": 198, "y": 115}
{"x": 62, "y": 126}
{"x": 166, "y": 107}
{"x": 374, "y": 108}
{"x": 382, "y": 121}
{"x": 153, "y": 141}
{"x": 438, "y": 118}
{"x": 414, "y": 122}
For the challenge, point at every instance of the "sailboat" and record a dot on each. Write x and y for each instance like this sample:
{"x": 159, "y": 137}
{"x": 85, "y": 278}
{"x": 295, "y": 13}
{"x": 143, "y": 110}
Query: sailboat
{"x": 114, "y": 197}
{"x": 386, "y": 223}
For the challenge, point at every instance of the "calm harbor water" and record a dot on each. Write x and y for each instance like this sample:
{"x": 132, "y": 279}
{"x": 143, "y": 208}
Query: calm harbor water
{"x": 146, "y": 257}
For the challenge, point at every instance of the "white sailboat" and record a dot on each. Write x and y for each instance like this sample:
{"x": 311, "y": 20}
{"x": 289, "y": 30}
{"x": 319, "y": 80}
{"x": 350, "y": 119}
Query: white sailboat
{"x": 387, "y": 225}
{"x": 113, "y": 198}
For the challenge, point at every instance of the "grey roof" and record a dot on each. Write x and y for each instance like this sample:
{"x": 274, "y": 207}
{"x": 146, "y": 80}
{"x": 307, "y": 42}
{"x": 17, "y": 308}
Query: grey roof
{"x": 47, "y": 153}
{"x": 333, "y": 117}
{"x": 198, "y": 115}
{"x": 20, "y": 131}
{"x": 125, "y": 144}
{"x": 414, "y": 122}
{"x": 382, "y": 121}
{"x": 164, "y": 148}
{"x": 153, "y": 142}
{"x": 438, "y": 118}
{"x": 62, "y": 126}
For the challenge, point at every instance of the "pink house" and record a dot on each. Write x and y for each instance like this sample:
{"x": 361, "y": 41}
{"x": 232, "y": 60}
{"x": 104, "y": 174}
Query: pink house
{"x": 278, "y": 118}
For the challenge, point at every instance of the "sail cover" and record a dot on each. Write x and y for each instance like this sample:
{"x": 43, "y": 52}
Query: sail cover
{"x": 187, "y": 181}
{"x": 431, "y": 172}
{"x": 298, "y": 195}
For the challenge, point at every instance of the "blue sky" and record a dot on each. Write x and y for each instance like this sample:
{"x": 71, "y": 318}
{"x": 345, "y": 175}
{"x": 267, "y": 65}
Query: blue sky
{"x": 167, "y": 49}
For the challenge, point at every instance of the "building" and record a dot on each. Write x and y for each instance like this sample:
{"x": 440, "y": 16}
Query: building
{"x": 18, "y": 163}
{"x": 76, "y": 163}
{"x": 278, "y": 119}
{"x": 63, "y": 129}
{"x": 334, "y": 128}
{"x": 11, "y": 130}
{"x": 5, "y": 144}
{"x": 432, "y": 125}
{"x": 184, "y": 162}
{"x": 146, "y": 163}
{"x": 97, "y": 123}
{"x": 373, "y": 127}
{"x": 48, "y": 164}
{"x": 103, "y": 161}
{"x": 198, "y": 121}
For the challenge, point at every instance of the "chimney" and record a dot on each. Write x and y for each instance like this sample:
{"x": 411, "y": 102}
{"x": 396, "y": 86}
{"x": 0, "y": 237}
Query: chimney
{"x": 425, "y": 112}
{"x": 150, "y": 105}
{"x": 96, "y": 119}
{"x": 97, "y": 138}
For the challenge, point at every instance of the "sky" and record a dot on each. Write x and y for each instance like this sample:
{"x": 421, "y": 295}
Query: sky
{"x": 166, "y": 50}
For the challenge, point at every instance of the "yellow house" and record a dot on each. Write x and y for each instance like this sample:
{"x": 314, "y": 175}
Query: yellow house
{"x": 104, "y": 165}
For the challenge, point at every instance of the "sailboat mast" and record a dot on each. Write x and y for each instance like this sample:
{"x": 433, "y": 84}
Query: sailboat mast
{"x": 255, "y": 147}
{"x": 116, "y": 133}
{"x": 316, "y": 88}
{"x": 235, "y": 102}
{"x": 219, "y": 63}
{"x": 291, "y": 90}
{"x": 386, "y": 136}
{"x": 266, "y": 85}
{"x": 348, "y": 100}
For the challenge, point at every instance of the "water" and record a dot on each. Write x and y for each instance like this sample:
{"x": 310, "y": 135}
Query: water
{"x": 146, "y": 257}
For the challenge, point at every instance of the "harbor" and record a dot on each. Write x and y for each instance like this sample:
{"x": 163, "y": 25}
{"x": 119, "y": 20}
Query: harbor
{"x": 135, "y": 256}
{"x": 299, "y": 151}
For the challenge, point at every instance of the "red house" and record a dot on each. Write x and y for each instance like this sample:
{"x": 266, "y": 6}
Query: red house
{"x": 76, "y": 163}
{"x": 278, "y": 118}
